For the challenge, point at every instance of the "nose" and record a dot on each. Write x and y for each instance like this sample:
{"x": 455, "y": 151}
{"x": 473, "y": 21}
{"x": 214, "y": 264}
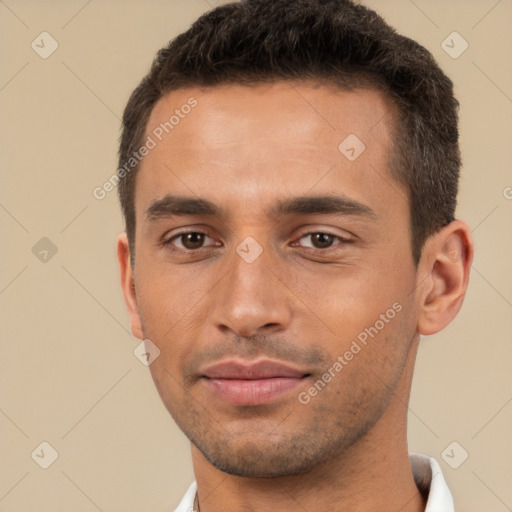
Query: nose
{"x": 251, "y": 299}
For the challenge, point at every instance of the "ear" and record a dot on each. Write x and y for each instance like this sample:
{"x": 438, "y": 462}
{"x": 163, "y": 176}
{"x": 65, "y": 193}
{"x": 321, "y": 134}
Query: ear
{"x": 444, "y": 274}
{"x": 128, "y": 285}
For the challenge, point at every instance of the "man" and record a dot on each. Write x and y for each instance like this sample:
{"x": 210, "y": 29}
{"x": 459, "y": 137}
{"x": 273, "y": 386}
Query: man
{"x": 288, "y": 176}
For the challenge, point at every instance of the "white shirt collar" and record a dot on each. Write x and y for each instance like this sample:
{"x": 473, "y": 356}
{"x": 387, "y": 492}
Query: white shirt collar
{"x": 430, "y": 480}
{"x": 427, "y": 476}
{"x": 187, "y": 502}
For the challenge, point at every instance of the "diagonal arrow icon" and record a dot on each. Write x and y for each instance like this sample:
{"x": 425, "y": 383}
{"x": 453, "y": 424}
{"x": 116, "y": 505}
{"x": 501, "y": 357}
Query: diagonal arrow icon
{"x": 44, "y": 45}
{"x": 146, "y": 352}
{"x": 454, "y": 45}
{"x": 249, "y": 249}
{"x": 44, "y": 455}
{"x": 351, "y": 147}
{"x": 44, "y": 250}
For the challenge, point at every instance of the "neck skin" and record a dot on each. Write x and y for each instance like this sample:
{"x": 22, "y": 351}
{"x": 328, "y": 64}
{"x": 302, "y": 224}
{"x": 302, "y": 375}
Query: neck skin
{"x": 374, "y": 474}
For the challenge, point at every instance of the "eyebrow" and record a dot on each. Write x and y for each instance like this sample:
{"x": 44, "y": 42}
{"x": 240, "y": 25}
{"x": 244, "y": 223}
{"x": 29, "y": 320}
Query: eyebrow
{"x": 176, "y": 206}
{"x": 326, "y": 204}
{"x": 173, "y": 206}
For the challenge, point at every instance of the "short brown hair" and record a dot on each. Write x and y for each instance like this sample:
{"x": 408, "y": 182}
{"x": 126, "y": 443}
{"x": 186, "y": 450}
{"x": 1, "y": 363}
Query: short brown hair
{"x": 330, "y": 42}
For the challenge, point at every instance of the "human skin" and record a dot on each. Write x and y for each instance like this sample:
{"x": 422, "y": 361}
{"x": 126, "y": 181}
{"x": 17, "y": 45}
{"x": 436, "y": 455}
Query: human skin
{"x": 243, "y": 149}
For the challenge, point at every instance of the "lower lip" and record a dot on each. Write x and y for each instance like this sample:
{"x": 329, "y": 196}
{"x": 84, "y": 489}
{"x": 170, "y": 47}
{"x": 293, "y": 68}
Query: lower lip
{"x": 252, "y": 392}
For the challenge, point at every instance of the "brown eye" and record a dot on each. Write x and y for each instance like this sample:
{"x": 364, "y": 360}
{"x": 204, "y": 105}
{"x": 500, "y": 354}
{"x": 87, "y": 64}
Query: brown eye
{"x": 190, "y": 241}
{"x": 322, "y": 240}
{"x": 319, "y": 240}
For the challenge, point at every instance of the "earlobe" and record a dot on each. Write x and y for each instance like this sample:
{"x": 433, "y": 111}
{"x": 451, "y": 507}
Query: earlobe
{"x": 445, "y": 267}
{"x": 128, "y": 285}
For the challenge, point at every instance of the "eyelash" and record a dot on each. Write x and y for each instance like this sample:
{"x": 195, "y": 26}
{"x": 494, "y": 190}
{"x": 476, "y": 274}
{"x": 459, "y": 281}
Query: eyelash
{"x": 168, "y": 243}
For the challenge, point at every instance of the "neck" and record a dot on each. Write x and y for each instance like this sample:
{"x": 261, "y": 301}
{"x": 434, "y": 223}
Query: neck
{"x": 372, "y": 475}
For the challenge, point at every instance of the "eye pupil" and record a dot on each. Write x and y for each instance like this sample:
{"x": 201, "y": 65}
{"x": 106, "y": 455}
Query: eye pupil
{"x": 193, "y": 240}
{"x": 321, "y": 240}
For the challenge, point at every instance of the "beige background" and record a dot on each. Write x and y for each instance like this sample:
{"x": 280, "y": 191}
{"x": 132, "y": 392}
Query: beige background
{"x": 68, "y": 373}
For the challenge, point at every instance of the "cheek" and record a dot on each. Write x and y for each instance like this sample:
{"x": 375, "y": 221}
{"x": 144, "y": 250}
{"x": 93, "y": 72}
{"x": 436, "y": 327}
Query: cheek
{"x": 173, "y": 306}
{"x": 167, "y": 296}
{"x": 351, "y": 299}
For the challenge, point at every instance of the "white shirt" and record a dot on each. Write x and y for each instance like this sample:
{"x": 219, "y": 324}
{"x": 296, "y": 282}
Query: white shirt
{"x": 427, "y": 476}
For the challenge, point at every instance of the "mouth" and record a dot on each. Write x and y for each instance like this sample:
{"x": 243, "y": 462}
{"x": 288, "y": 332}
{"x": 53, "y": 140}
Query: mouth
{"x": 254, "y": 383}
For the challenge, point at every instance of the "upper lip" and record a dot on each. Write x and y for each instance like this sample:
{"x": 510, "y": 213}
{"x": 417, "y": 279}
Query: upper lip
{"x": 262, "y": 369}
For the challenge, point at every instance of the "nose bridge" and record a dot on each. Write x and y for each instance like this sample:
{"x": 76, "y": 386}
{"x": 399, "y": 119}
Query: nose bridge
{"x": 250, "y": 296}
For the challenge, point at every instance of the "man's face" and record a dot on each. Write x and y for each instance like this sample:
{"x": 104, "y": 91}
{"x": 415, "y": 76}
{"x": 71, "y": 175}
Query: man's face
{"x": 264, "y": 277}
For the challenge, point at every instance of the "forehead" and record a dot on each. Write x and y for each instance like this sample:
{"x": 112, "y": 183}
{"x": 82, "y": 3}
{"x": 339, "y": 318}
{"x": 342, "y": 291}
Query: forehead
{"x": 256, "y": 110}
{"x": 233, "y": 141}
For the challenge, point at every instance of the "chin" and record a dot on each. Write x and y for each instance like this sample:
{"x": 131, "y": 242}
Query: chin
{"x": 283, "y": 457}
